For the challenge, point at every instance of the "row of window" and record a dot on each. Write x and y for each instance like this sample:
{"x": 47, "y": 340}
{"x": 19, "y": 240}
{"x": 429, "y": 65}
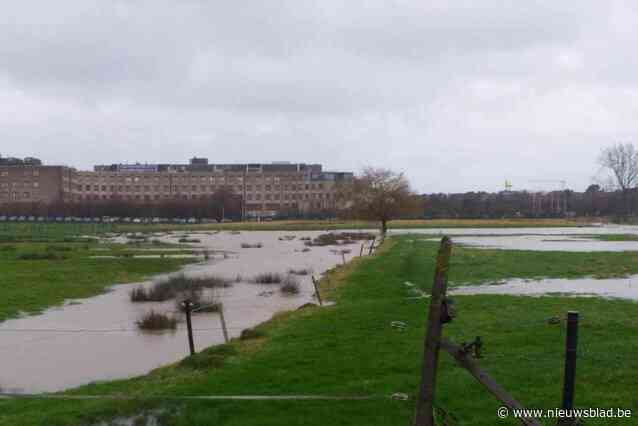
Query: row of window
{"x": 19, "y": 195}
{"x": 5, "y": 173}
{"x": 193, "y": 188}
{"x": 20, "y": 184}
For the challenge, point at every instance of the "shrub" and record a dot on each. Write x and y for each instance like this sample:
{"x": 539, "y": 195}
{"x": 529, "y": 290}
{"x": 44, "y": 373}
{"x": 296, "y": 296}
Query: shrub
{"x": 7, "y": 248}
{"x": 268, "y": 278}
{"x": 290, "y": 285}
{"x": 156, "y": 321}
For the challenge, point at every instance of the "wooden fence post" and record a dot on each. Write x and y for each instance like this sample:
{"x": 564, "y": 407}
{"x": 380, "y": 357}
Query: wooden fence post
{"x": 425, "y": 404}
{"x": 371, "y": 246}
{"x": 316, "y": 285}
{"x": 223, "y": 320}
{"x": 571, "y": 352}
{"x": 188, "y": 306}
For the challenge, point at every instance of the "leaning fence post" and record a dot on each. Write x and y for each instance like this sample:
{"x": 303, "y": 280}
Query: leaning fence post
{"x": 314, "y": 283}
{"x": 223, "y": 320}
{"x": 570, "y": 365}
{"x": 372, "y": 245}
{"x": 425, "y": 404}
{"x": 188, "y": 306}
{"x": 361, "y": 251}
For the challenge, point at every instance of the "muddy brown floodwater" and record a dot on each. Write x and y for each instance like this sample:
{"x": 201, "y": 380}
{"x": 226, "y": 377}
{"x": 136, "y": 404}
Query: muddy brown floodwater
{"x": 96, "y": 339}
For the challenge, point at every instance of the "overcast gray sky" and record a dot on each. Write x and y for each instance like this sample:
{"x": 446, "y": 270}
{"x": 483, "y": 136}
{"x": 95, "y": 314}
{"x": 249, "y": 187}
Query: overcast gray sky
{"x": 458, "y": 96}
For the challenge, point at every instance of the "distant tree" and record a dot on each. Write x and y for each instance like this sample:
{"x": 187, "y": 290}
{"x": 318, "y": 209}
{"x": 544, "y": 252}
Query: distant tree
{"x": 593, "y": 188}
{"x": 622, "y": 161}
{"x": 380, "y": 194}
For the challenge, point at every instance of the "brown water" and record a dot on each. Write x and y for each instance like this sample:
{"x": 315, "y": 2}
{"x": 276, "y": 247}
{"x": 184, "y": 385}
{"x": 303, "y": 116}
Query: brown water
{"x": 96, "y": 338}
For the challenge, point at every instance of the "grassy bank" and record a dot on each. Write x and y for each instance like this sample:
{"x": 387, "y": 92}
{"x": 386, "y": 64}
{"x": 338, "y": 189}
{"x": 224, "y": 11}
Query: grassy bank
{"x": 351, "y": 349}
{"x": 34, "y": 276}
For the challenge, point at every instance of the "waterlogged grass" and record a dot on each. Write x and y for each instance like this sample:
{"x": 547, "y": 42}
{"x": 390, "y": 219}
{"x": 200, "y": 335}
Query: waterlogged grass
{"x": 613, "y": 237}
{"x": 35, "y": 276}
{"x": 328, "y": 225}
{"x": 352, "y": 349}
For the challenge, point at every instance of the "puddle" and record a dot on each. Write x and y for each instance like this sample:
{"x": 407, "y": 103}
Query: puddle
{"x": 623, "y": 288}
{"x": 97, "y": 339}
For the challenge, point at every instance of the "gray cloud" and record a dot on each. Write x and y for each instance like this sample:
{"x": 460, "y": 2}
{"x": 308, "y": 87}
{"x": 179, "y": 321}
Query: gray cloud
{"x": 458, "y": 95}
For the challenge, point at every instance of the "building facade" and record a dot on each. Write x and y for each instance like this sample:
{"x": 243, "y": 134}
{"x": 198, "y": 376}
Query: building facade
{"x": 265, "y": 189}
{"x": 35, "y": 183}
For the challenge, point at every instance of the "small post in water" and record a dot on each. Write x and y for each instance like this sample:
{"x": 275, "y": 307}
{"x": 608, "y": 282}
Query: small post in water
{"x": 221, "y": 317}
{"x": 371, "y": 246}
{"x": 314, "y": 283}
{"x": 188, "y": 306}
{"x": 361, "y": 251}
{"x": 570, "y": 364}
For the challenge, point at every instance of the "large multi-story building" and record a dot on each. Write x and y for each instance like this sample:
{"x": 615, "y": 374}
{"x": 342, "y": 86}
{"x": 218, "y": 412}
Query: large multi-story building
{"x": 265, "y": 189}
{"x": 29, "y": 181}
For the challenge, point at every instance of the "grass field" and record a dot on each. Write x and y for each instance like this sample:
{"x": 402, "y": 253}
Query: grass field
{"x": 351, "y": 349}
{"x": 34, "y": 276}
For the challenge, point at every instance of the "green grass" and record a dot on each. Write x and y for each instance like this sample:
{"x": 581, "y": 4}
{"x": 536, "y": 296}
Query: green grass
{"x": 351, "y": 349}
{"x": 613, "y": 237}
{"x": 50, "y": 232}
{"x": 61, "y": 271}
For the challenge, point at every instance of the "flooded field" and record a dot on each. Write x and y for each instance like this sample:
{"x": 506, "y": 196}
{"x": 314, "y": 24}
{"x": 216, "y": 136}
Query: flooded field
{"x": 539, "y": 239}
{"x": 623, "y": 288}
{"x": 97, "y": 339}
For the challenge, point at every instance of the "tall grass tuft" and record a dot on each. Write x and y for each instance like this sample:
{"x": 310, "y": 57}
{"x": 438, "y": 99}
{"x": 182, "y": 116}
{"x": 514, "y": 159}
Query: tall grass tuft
{"x": 171, "y": 287}
{"x": 290, "y": 285}
{"x": 246, "y": 245}
{"x": 268, "y": 278}
{"x": 153, "y": 320}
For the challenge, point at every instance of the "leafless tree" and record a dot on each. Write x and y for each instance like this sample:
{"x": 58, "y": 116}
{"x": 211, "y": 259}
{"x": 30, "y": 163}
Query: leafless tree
{"x": 622, "y": 161}
{"x": 380, "y": 194}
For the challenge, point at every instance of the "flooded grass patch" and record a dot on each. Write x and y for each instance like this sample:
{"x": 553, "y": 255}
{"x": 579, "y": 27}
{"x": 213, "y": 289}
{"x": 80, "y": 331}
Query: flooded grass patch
{"x": 189, "y": 240}
{"x": 249, "y": 246}
{"x": 334, "y": 239}
{"x": 154, "y": 320}
{"x": 170, "y": 288}
{"x": 290, "y": 285}
{"x": 268, "y": 278}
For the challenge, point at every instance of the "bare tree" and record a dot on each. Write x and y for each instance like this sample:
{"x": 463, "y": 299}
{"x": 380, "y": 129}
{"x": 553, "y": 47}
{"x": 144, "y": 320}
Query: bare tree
{"x": 622, "y": 161}
{"x": 380, "y": 194}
